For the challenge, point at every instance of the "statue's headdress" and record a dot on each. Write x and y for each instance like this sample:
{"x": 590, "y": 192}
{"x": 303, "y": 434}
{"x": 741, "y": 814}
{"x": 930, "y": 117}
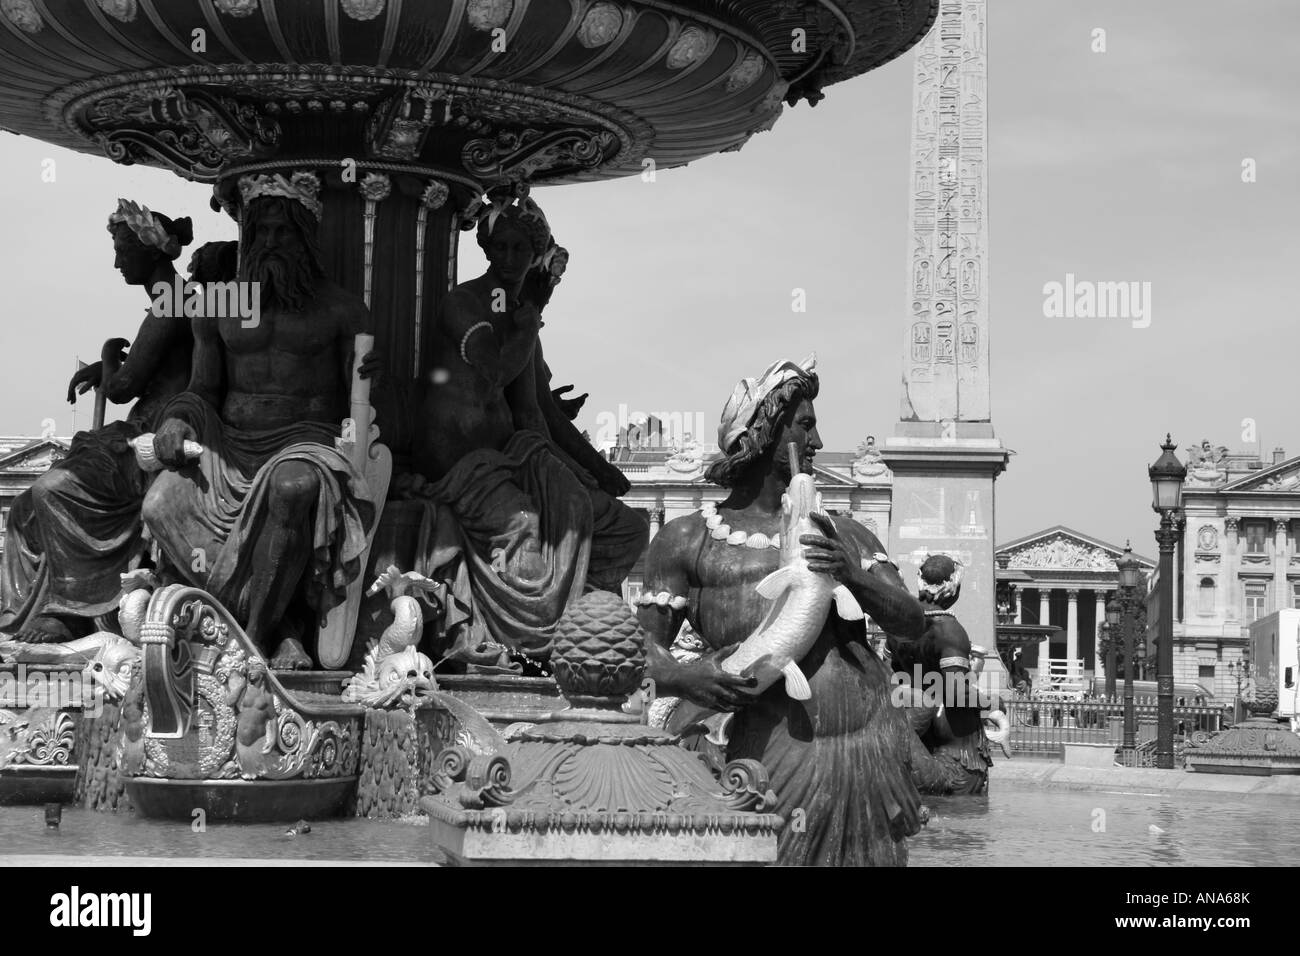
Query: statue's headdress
{"x": 747, "y": 397}
{"x": 154, "y": 231}
{"x": 940, "y": 577}
{"x": 514, "y": 206}
{"x": 301, "y": 187}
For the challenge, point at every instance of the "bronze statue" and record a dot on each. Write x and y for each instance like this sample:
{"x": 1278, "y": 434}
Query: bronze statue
{"x": 951, "y": 751}
{"x": 839, "y": 760}
{"x": 73, "y": 533}
{"x": 527, "y": 510}
{"x": 270, "y": 510}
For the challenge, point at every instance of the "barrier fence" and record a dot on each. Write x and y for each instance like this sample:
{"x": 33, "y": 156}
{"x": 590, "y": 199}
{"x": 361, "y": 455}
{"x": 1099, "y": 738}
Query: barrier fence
{"x": 1042, "y": 728}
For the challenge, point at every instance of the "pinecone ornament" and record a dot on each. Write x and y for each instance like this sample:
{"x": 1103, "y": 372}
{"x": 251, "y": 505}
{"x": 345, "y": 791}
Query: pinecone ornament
{"x": 599, "y": 653}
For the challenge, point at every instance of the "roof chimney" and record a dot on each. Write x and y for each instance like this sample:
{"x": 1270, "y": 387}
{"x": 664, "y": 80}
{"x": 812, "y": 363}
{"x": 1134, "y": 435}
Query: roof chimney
{"x": 1279, "y": 456}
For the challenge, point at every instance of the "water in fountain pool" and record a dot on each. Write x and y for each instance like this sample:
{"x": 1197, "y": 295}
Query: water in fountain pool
{"x": 1013, "y": 826}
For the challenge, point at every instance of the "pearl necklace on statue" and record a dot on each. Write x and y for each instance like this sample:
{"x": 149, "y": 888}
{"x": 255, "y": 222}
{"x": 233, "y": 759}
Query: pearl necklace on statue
{"x": 939, "y": 613}
{"x": 722, "y": 532}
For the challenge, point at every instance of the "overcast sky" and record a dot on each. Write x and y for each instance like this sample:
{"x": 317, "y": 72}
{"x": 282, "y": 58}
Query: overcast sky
{"x": 1116, "y": 166}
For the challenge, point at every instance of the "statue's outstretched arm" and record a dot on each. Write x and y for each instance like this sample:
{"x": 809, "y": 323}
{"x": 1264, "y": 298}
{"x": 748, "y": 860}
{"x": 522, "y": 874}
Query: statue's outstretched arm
{"x": 566, "y": 435}
{"x": 156, "y": 337}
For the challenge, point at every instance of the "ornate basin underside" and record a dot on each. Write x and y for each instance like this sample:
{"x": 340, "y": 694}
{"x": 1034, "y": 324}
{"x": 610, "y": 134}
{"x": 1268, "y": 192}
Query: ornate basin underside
{"x": 497, "y": 90}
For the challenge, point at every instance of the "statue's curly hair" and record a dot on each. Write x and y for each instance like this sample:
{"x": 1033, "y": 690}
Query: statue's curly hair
{"x": 758, "y": 438}
{"x": 539, "y": 236}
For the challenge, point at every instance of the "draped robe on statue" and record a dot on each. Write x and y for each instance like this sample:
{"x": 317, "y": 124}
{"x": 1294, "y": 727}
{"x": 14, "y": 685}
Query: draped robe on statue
{"x": 218, "y": 506}
{"x": 72, "y": 534}
{"x": 478, "y": 523}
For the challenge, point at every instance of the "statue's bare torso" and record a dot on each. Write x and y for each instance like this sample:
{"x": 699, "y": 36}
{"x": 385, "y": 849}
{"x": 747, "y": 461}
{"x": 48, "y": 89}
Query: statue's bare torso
{"x": 290, "y": 367}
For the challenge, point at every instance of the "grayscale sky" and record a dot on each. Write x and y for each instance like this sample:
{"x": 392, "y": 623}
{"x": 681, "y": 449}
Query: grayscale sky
{"x": 1116, "y": 166}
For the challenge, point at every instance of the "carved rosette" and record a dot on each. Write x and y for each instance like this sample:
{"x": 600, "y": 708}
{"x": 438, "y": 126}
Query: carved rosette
{"x": 487, "y": 15}
{"x": 691, "y": 46}
{"x": 744, "y": 75}
{"x": 600, "y": 25}
{"x": 375, "y": 187}
{"x": 363, "y": 9}
{"x": 22, "y": 14}
{"x": 434, "y": 195}
{"x": 237, "y": 8}
{"x": 123, "y": 10}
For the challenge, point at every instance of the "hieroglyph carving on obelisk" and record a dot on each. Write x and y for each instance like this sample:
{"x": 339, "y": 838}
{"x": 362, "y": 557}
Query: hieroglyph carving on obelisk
{"x": 946, "y": 348}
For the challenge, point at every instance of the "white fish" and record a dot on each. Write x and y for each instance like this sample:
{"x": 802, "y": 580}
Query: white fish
{"x": 801, "y": 599}
{"x": 997, "y": 727}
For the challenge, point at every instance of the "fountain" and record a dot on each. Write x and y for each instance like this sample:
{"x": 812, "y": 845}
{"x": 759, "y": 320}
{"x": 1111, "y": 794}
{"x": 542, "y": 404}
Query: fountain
{"x": 371, "y": 132}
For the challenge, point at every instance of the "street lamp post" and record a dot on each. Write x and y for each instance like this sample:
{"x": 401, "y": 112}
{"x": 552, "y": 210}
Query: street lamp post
{"x": 1109, "y": 637}
{"x": 1125, "y": 612}
{"x": 1166, "y": 476}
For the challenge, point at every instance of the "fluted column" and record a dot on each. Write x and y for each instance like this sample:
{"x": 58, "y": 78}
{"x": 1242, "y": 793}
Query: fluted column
{"x": 1044, "y": 617}
{"x": 1097, "y": 667}
{"x": 1231, "y": 561}
{"x": 656, "y": 521}
{"x": 1072, "y": 626}
{"x": 1280, "y": 558}
{"x": 1020, "y": 611}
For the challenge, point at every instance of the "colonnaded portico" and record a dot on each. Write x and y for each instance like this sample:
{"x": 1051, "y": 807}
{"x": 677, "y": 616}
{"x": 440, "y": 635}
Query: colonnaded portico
{"x": 1064, "y": 579}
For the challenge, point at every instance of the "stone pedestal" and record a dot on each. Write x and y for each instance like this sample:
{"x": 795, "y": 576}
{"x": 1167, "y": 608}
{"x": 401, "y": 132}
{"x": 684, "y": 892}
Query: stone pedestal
{"x": 1259, "y": 745}
{"x": 944, "y": 503}
{"x": 595, "y": 786}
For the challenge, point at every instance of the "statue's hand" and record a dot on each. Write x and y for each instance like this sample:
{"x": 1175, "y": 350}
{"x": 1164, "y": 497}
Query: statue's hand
{"x": 610, "y": 479}
{"x": 827, "y": 552}
{"x": 527, "y": 318}
{"x": 569, "y": 406}
{"x": 169, "y": 442}
{"x": 372, "y": 366}
{"x": 83, "y": 380}
{"x": 704, "y": 682}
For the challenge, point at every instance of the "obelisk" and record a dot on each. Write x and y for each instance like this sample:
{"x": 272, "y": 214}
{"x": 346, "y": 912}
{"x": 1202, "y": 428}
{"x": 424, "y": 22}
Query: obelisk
{"x": 943, "y": 453}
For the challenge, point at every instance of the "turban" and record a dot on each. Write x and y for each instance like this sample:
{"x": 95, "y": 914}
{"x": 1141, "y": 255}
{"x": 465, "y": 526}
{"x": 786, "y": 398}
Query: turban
{"x": 748, "y": 396}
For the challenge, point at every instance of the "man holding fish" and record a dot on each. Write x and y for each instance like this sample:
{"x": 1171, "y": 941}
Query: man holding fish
{"x": 777, "y": 590}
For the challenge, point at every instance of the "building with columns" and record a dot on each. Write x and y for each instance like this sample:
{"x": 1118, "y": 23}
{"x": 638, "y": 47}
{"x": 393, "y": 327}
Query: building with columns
{"x": 1237, "y": 560}
{"x": 1062, "y": 577}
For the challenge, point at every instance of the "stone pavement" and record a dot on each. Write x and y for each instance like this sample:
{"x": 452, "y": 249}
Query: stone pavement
{"x": 1057, "y": 776}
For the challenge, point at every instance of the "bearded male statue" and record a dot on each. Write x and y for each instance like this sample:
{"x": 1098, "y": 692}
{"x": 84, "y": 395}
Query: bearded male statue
{"x": 271, "y": 518}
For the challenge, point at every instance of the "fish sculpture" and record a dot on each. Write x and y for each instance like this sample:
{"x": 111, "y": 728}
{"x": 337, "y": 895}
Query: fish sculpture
{"x": 801, "y": 599}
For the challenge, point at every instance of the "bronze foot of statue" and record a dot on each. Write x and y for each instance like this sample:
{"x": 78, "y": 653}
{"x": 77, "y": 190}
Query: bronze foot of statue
{"x": 290, "y": 656}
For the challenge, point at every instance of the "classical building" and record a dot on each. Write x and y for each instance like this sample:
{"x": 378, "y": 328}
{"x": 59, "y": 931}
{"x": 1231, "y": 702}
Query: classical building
{"x": 1064, "y": 578}
{"x": 1238, "y": 559}
{"x": 23, "y": 459}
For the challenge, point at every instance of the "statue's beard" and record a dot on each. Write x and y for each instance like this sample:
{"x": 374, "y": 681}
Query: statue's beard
{"x": 286, "y": 280}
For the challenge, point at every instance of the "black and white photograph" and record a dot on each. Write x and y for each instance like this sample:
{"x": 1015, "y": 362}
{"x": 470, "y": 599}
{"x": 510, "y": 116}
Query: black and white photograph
{"x": 631, "y": 433}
